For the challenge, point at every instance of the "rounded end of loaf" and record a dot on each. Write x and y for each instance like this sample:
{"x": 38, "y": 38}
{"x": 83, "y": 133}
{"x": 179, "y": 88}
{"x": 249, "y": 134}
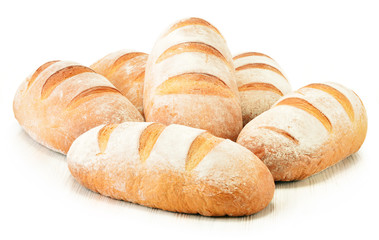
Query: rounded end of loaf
{"x": 231, "y": 181}
{"x": 17, "y": 101}
{"x": 78, "y": 154}
{"x": 307, "y": 131}
{"x": 227, "y": 179}
{"x": 277, "y": 153}
{"x": 61, "y": 100}
{"x": 362, "y": 125}
{"x": 188, "y": 22}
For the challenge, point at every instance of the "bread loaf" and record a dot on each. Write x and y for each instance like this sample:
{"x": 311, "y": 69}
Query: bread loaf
{"x": 307, "y": 131}
{"x": 190, "y": 80}
{"x": 62, "y": 100}
{"x": 126, "y": 71}
{"x": 174, "y": 168}
{"x": 260, "y": 81}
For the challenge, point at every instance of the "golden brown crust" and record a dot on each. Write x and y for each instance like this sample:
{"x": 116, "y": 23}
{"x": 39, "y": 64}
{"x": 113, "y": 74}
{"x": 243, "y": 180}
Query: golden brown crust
{"x": 317, "y": 146}
{"x": 248, "y": 54}
{"x": 56, "y": 118}
{"x": 309, "y": 108}
{"x": 200, "y": 147}
{"x": 230, "y": 180}
{"x": 261, "y": 66}
{"x": 340, "y": 97}
{"x": 89, "y": 94}
{"x": 140, "y": 77}
{"x": 195, "y": 83}
{"x": 260, "y": 86}
{"x": 59, "y": 76}
{"x": 148, "y": 139}
{"x": 193, "y": 21}
{"x": 103, "y": 136}
{"x": 38, "y": 71}
{"x": 191, "y": 47}
{"x": 197, "y": 90}
{"x": 121, "y": 61}
{"x": 126, "y": 71}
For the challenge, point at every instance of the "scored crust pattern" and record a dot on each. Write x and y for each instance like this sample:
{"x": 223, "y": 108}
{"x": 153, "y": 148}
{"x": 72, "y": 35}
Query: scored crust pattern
{"x": 39, "y": 71}
{"x": 193, "y": 21}
{"x": 260, "y": 66}
{"x": 121, "y": 61}
{"x": 103, "y": 136}
{"x": 148, "y": 139}
{"x": 309, "y": 108}
{"x": 200, "y": 147}
{"x": 195, "y": 83}
{"x": 191, "y": 47}
{"x": 340, "y": 97}
{"x": 59, "y": 76}
{"x": 89, "y": 94}
{"x": 282, "y": 132}
{"x": 260, "y": 86}
{"x": 249, "y": 54}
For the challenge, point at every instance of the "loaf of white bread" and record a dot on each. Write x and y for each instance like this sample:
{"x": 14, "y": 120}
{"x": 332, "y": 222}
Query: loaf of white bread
{"x": 174, "y": 168}
{"x": 260, "y": 82}
{"x": 190, "y": 80}
{"x": 126, "y": 71}
{"x": 61, "y": 100}
{"x": 307, "y": 131}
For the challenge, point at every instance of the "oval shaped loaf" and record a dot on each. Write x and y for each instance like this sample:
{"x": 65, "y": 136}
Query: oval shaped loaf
{"x": 174, "y": 168}
{"x": 260, "y": 83}
{"x": 62, "y": 100}
{"x": 190, "y": 80}
{"x": 307, "y": 131}
{"x": 126, "y": 71}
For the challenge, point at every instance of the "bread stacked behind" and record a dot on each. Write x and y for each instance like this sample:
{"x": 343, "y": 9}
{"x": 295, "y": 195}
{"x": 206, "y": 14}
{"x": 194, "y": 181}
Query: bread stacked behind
{"x": 307, "y": 131}
{"x": 260, "y": 81}
{"x": 126, "y": 71}
{"x": 190, "y": 80}
{"x": 174, "y": 168}
{"x": 62, "y": 100}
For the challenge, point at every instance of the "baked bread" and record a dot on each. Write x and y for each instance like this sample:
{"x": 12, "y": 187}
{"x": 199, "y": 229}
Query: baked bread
{"x": 62, "y": 100}
{"x": 307, "y": 131}
{"x": 174, "y": 168}
{"x": 260, "y": 81}
{"x": 190, "y": 80}
{"x": 126, "y": 71}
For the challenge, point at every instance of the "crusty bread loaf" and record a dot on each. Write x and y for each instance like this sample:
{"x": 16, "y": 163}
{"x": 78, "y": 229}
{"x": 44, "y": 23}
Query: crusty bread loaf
{"x": 190, "y": 80}
{"x": 307, "y": 131}
{"x": 174, "y": 168}
{"x": 126, "y": 71}
{"x": 62, "y": 100}
{"x": 260, "y": 81}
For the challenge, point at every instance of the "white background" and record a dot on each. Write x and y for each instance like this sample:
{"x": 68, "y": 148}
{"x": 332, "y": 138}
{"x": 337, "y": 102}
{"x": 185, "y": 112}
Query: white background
{"x": 313, "y": 42}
